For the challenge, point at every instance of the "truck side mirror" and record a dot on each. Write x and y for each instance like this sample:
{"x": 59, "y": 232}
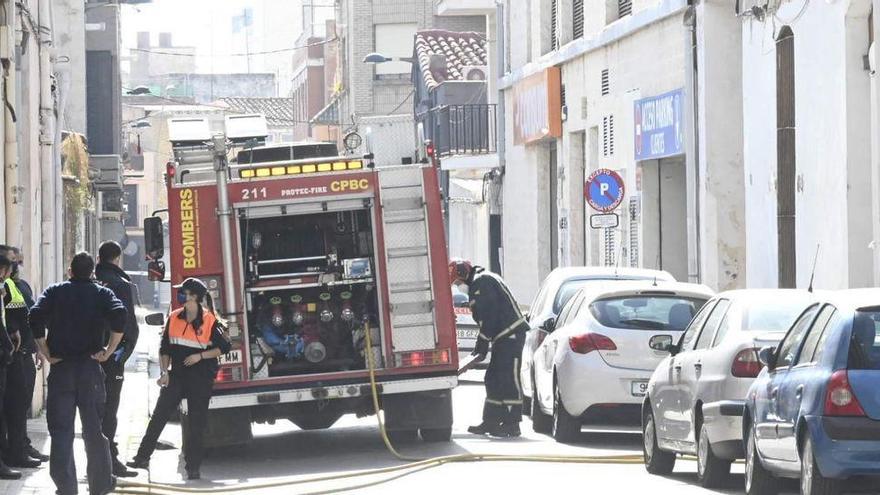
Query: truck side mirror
{"x": 767, "y": 357}
{"x": 154, "y": 239}
{"x": 549, "y": 325}
{"x": 156, "y": 271}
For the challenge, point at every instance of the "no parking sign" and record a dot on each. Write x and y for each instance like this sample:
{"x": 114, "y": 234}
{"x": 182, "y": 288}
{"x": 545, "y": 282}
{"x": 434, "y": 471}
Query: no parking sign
{"x": 604, "y": 190}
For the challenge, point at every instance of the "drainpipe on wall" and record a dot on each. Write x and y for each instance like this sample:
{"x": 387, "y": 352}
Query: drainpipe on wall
{"x": 59, "y": 102}
{"x": 497, "y": 177}
{"x": 14, "y": 213}
{"x": 47, "y": 141}
{"x": 692, "y": 140}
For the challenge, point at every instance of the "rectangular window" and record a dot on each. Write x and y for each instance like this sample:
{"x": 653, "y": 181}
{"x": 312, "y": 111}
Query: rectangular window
{"x": 554, "y": 24}
{"x": 394, "y": 41}
{"x": 624, "y": 8}
{"x": 606, "y": 83}
{"x": 608, "y": 135}
{"x": 577, "y": 13}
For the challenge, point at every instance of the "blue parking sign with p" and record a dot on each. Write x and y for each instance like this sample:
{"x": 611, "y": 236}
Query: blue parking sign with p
{"x": 604, "y": 190}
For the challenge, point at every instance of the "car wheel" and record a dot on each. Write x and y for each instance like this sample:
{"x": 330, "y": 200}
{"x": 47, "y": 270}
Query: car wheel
{"x": 759, "y": 481}
{"x": 812, "y": 481}
{"x": 566, "y": 428}
{"x": 656, "y": 461}
{"x": 433, "y": 435}
{"x": 712, "y": 471}
{"x": 541, "y": 421}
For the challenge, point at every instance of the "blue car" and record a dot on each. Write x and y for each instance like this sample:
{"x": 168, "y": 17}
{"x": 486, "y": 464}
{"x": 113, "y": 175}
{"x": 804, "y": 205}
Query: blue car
{"x": 814, "y": 411}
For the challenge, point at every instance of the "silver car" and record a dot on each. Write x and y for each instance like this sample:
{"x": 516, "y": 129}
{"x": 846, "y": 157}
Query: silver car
{"x": 695, "y": 397}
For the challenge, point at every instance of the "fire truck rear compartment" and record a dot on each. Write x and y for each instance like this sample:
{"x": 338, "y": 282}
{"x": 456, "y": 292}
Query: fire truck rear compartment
{"x": 310, "y": 281}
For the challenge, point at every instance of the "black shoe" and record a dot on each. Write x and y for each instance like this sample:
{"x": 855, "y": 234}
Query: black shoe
{"x": 480, "y": 429}
{"x": 193, "y": 474}
{"x": 138, "y": 463}
{"x": 121, "y": 471}
{"x": 23, "y": 462}
{"x": 506, "y": 430}
{"x": 35, "y": 454}
{"x": 8, "y": 474}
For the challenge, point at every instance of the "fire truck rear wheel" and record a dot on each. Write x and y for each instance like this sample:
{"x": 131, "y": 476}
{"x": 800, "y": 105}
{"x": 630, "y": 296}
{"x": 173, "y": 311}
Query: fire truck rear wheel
{"x": 436, "y": 434}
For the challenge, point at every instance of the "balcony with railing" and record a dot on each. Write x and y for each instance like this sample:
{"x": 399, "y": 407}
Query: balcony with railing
{"x": 456, "y": 130}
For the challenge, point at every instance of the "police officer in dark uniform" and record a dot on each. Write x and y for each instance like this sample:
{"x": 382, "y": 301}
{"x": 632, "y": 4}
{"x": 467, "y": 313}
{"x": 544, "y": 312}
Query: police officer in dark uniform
{"x": 7, "y": 349}
{"x": 68, "y": 321}
{"x": 503, "y": 325}
{"x": 111, "y": 275}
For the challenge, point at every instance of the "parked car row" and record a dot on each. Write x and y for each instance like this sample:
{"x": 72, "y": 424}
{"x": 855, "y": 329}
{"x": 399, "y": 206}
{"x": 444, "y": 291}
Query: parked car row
{"x": 787, "y": 379}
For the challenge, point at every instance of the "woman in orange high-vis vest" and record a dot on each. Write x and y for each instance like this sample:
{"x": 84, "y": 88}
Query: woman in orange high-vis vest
{"x": 192, "y": 342}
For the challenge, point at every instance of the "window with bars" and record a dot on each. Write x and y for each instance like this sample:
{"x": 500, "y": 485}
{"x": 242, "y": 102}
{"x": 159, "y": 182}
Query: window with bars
{"x": 608, "y": 135}
{"x": 624, "y": 8}
{"x": 610, "y": 246}
{"x": 562, "y": 94}
{"x": 634, "y": 232}
{"x": 606, "y": 83}
{"x": 577, "y": 14}
{"x": 554, "y": 24}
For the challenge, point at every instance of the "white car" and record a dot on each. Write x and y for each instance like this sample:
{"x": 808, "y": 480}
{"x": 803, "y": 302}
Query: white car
{"x": 695, "y": 399}
{"x": 466, "y": 329}
{"x": 556, "y": 290}
{"x": 593, "y": 367}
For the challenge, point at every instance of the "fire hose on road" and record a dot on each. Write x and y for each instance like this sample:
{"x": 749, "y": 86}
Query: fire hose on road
{"x": 412, "y": 464}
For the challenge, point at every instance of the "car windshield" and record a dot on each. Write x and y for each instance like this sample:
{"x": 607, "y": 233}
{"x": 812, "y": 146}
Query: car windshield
{"x": 646, "y": 312}
{"x": 771, "y": 316}
{"x": 864, "y": 349}
{"x": 570, "y": 287}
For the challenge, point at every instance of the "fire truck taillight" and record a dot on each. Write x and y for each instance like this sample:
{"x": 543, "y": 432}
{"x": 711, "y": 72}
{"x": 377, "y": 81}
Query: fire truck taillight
{"x": 228, "y": 374}
{"x": 277, "y": 171}
{"x": 422, "y": 358}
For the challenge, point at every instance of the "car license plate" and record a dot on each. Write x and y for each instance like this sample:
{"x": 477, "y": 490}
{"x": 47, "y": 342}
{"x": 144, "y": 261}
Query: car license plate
{"x": 231, "y": 357}
{"x": 639, "y": 388}
{"x": 467, "y": 333}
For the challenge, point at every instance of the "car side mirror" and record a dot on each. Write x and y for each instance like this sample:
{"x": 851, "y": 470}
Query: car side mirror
{"x": 549, "y": 325}
{"x": 154, "y": 240}
{"x": 526, "y": 315}
{"x": 767, "y": 357}
{"x": 156, "y": 271}
{"x": 155, "y": 319}
{"x": 662, "y": 343}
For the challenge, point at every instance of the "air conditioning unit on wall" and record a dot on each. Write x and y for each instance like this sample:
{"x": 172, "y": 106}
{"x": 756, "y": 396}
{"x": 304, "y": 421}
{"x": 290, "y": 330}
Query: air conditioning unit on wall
{"x": 475, "y": 72}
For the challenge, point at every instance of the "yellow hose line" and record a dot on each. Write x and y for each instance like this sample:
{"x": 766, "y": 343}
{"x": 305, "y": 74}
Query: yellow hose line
{"x": 413, "y": 464}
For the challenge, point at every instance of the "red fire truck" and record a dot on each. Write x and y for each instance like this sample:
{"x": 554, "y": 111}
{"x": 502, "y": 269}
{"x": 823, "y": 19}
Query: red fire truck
{"x": 305, "y": 250}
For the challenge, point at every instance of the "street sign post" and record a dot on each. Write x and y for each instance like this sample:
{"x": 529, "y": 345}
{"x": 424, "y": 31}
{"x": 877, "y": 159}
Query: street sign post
{"x": 604, "y": 190}
{"x": 604, "y": 221}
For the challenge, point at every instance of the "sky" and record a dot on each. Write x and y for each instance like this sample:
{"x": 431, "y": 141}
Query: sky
{"x": 208, "y": 25}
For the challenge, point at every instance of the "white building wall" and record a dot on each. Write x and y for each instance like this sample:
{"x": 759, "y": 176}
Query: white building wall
{"x": 828, "y": 121}
{"x": 644, "y": 62}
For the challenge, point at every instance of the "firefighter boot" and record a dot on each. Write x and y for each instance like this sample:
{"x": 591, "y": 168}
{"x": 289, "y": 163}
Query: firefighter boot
{"x": 506, "y": 430}
{"x": 119, "y": 470}
{"x": 482, "y": 428}
{"x": 138, "y": 463}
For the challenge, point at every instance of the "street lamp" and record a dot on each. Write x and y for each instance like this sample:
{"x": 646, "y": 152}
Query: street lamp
{"x": 378, "y": 58}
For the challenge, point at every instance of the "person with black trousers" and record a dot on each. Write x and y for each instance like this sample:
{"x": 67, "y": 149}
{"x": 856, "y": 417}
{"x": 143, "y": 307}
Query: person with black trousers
{"x": 68, "y": 322}
{"x": 110, "y": 275}
{"x": 21, "y": 372}
{"x": 8, "y": 346}
{"x": 193, "y": 340}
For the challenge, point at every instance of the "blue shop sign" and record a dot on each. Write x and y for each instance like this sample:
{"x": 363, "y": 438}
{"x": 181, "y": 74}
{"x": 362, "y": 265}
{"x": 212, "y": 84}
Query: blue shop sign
{"x": 659, "y": 126}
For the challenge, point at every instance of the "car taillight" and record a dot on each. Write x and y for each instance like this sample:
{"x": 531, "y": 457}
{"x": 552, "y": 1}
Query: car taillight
{"x": 839, "y": 398}
{"x": 589, "y": 342}
{"x": 540, "y": 338}
{"x": 746, "y": 364}
{"x": 423, "y": 358}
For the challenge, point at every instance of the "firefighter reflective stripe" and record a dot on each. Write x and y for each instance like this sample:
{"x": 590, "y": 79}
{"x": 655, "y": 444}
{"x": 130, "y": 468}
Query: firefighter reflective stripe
{"x": 16, "y": 298}
{"x": 481, "y": 336}
{"x": 494, "y": 402}
{"x": 181, "y": 332}
{"x": 519, "y": 391}
{"x": 509, "y": 329}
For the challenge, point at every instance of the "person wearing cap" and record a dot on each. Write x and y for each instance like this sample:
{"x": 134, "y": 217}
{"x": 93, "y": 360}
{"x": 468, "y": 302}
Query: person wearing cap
{"x": 110, "y": 274}
{"x": 503, "y": 326}
{"x": 67, "y": 322}
{"x": 7, "y": 349}
{"x": 191, "y": 343}
{"x": 21, "y": 372}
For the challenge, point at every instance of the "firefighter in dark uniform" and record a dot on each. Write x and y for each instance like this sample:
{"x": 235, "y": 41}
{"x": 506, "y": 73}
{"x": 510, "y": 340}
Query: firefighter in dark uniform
{"x": 193, "y": 340}
{"x": 503, "y": 325}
